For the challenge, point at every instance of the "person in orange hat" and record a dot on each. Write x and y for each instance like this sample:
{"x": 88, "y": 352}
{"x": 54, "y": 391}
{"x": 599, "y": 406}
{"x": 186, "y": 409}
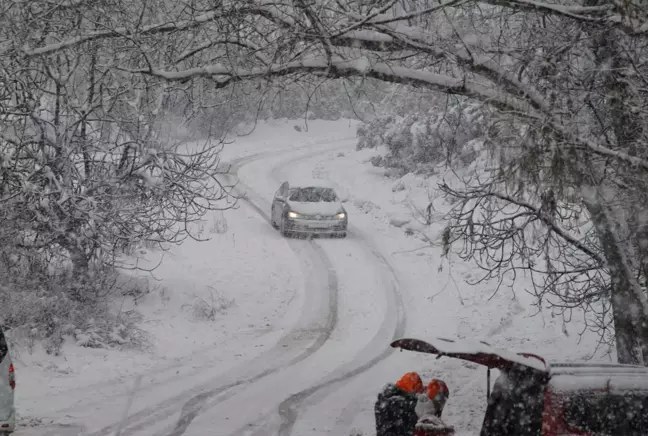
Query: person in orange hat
{"x": 429, "y": 408}
{"x": 395, "y": 409}
{"x": 411, "y": 382}
{"x": 434, "y": 399}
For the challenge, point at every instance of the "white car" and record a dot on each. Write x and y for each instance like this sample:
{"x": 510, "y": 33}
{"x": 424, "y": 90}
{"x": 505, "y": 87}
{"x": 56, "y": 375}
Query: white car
{"x": 307, "y": 208}
{"x": 7, "y": 387}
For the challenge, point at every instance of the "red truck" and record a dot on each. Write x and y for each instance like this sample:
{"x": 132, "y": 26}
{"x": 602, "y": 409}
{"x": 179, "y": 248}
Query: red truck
{"x": 534, "y": 397}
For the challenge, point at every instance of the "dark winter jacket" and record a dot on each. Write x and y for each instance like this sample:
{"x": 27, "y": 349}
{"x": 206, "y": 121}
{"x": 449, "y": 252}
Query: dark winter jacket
{"x": 395, "y": 414}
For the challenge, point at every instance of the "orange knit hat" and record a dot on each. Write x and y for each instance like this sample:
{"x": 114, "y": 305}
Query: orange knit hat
{"x": 411, "y": 382}
{"x": 436, "y": 387}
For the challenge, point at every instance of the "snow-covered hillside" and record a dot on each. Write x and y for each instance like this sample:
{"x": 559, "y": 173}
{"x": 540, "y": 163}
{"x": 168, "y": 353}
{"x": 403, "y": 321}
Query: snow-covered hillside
{"x": 254, "y": 334}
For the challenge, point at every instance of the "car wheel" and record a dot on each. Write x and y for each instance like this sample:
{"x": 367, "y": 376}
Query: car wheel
{"x": 343, "y": 235}
{"x": 272, "y": 221}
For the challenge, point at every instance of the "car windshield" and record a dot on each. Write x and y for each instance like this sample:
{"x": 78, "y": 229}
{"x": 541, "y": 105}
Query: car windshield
{"x": 607, "y": 414}
{"x": 312, "y": 195}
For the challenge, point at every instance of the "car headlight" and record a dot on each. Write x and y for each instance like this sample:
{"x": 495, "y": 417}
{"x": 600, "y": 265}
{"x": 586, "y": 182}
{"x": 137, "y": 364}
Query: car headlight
{"x": 292, "y": 214}
{"x": 340, "y": 215}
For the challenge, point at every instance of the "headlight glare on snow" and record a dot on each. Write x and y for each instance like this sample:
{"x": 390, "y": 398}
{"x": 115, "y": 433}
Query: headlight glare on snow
{"x": 340, "y": 215}
{"x": 292, "y": 214}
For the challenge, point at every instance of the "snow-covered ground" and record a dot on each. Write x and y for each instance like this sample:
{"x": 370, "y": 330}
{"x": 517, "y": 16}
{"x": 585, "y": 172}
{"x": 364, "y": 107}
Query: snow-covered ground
{"x": 255, "y": 334}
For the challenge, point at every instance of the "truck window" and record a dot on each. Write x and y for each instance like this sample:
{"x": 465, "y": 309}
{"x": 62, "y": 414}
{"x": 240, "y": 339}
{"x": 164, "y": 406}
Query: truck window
{"x": 516, "y": 404}
{"x": 603, "y": 413}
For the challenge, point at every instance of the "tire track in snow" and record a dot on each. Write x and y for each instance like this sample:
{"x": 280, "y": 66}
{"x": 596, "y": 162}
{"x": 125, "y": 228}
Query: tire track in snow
{"x": 170, "y": 370}
{"x": 193, "y": 407}
{"x": 194, "y": 404}
{"x": 173, "y": 366}
{"x": 288, "y": 409}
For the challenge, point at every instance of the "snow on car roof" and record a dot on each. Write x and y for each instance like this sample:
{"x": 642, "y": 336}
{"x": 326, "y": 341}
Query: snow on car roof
{"x": 598, "y": 376}
{"x": 624, "y": 382}
{"x": 308, "y": 183}
{"x": 584, "y": 368}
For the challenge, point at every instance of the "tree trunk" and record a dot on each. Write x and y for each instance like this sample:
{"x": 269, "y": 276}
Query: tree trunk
{"x": 80, "y": 271}
{"x": 87, "y": 159}
{"x": 627, "y": 297}
{"x": 628, "y": 300}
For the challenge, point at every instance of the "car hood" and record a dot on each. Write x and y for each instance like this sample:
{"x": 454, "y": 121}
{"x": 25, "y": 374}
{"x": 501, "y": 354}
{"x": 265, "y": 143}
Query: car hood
{"x": 316, "y": 208}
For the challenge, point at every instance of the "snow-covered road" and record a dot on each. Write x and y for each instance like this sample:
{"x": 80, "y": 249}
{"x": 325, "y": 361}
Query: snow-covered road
{"x": 350, "y": 310}
{"x": 305, "y": 346}
{"x": 369, "y": 314}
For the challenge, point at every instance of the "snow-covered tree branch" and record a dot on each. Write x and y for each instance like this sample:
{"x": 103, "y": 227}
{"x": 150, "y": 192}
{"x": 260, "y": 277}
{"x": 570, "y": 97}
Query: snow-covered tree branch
{"x": 568, "y": 83}
{"x": 89, "y": 169}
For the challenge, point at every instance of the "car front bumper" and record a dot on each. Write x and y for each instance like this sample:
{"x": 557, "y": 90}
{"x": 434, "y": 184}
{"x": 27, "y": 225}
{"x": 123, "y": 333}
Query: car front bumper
{"x": 324, "y": 227}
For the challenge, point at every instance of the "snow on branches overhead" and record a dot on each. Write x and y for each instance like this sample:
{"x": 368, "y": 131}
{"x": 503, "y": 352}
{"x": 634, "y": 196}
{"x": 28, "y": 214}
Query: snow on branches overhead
{"x": 570, "y": 77}
{"x": 89, "y": 168}
{"x": 415, "y": 42}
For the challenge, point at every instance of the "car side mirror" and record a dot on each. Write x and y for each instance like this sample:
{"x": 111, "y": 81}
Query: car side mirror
{"x": 283, "y": 190}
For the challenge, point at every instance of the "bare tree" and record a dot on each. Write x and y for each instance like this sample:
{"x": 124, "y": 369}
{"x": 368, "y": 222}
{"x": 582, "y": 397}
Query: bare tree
{"x": 88, "y": 170}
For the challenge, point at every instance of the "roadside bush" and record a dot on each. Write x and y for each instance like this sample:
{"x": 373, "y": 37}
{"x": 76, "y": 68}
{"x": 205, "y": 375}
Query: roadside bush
{"x": 421, "y": 141}
{"x": 207, "y": 309}
{"x": 42, "y": 304}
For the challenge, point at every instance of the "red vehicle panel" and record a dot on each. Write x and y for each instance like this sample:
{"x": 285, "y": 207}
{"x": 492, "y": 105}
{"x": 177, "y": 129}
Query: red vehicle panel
{"x": 533, "y": 397}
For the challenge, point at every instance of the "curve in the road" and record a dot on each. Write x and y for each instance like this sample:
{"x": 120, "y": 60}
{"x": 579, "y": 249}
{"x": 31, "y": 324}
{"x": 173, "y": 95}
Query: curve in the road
{"x": 193, "y": 404}
{"x": 375, "y": 351}
{"x": 288, "y": 409}
{"x": 192, "y": 408}
{"x": 116, "y": 384}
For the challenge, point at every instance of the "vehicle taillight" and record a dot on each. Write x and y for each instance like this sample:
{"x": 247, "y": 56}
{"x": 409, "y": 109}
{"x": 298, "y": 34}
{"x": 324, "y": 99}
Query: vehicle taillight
{"x": 12, "y": 377}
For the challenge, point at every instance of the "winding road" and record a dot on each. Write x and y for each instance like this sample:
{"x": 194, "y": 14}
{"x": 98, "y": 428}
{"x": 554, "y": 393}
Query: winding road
{"x": 314, "y": 378}
{"x": 330, "y": 365}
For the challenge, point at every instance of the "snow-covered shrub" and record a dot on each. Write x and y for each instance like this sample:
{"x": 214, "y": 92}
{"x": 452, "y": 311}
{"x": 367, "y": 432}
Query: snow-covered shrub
{"x": 135, "y": 288}
{"x": 418, "y": 142}
{"x": 54, "y": 317}
{"x": 371, "y": 134}
{"x": 207, "y": 309}
{"x": 45, "y": 302}
{"x": 219, "y": 224}
{"x": 112, "y": 332}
